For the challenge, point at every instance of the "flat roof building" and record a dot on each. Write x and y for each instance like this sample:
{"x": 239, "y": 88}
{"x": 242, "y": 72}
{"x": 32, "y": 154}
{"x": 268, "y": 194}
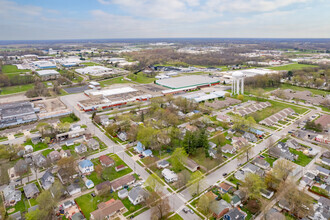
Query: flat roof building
{"x": 94, "y": 70}
{"x": 44, "y": 64}
{"x": 16, "y": 113}
{"x": 48, "y": 74}
{"x": 188, "y": 81}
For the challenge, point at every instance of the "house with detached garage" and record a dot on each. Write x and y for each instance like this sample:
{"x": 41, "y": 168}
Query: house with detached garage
{"x": 106, "y": 161}
{"x": 86, "y": 166}
{"x": 11, "y": 195}
{"x": 137, "y": 195}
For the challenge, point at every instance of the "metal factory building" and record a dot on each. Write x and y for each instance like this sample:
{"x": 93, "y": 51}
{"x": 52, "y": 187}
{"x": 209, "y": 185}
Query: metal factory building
{"x": 188, "y": 81}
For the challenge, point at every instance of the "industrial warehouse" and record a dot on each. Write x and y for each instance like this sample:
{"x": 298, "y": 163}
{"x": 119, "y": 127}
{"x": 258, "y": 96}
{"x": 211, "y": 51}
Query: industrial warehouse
{"x": 111, "y": 98}
{"x": 185, "y": 82}
{"x": 95, "y": 70}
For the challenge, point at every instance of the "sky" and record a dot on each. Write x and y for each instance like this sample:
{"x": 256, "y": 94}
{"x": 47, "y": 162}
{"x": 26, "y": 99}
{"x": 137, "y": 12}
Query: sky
{"x": 106, "y": 19}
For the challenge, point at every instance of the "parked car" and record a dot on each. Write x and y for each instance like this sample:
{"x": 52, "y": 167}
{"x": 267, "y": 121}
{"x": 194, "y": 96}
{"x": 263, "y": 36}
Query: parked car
{"x": 225, "y": 174}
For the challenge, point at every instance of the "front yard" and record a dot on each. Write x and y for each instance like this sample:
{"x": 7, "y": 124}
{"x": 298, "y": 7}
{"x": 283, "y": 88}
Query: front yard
{"x": 303, "y": 159}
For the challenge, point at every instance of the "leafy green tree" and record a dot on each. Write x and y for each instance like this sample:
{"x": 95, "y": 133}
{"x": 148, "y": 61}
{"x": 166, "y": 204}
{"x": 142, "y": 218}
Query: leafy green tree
{"x": 153, "y": 182}
{"x": 253, "y": 184}
{"x": 179, "y": 158}
{"x": 197, "y": 183}
{"x": 226, "y": 197}
{"x": 204, "y": 203}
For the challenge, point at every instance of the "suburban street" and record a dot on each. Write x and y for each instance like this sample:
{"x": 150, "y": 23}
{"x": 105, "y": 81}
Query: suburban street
{"x": 176, "y": 201}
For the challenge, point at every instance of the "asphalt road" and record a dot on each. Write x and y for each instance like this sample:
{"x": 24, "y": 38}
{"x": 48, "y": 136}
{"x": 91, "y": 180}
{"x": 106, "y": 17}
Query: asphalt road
{"x": 176, "y": 201}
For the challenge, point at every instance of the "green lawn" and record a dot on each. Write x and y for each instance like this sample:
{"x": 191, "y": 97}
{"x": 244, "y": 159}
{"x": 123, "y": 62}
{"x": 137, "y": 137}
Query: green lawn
{"x": 21, "y": 206}
{"x": 3, "y": 138}
{"x": 116, "y": 80}
{"x": 16, "y": 89}
{"x": 294, "y": 66}
{"x": 38, "y": 146}
{"x": 19, "y": 135}
{"x": 269, "y": 159}
{"x": 175, "y": 217}
{"x": 12, "y": 69}
{"x": 46, "y": 152}
{"x": 109, "y": 173}
{"x": 141, "y": 78}
{"x": 88, "y": 204}
{"x": 70, "y": 118}
{"x": 303, "y": 159}
{"x": 320, "y": 191}
{"x": 297, "y": 88}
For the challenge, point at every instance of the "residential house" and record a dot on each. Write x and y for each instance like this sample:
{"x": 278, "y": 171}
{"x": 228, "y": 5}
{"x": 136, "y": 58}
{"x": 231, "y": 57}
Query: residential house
{"x": 89, "y": 184}
{"x": 80, "y": 149}
{"x": 235, "y": 201}
{"x": 210, "y": 129}
{"x": 102, "y": 187}
{"x": 139, "y": 148}
{"x": 249, "y": 167}
{"x": 162, "y": 164}
{"x": 86, "y": 166}
{"x": 21, "y": 165}
{"x": 251, "y": 137}
{"x": 106, "y": 210}
{"x": 104, "y": 120}
{"x": 235, "y": 214}
{"x": 35, "y": 140}
{"x": 121, "y": 182}
{"x": 93, "y": 144}
{"x": 323, "y": 171}
{"x": 122, "y": 194}
{"x": 305, "y": 181}
{"x": 228, "y": 149}
{"x": 284, "y": 204}
{"x": 261, "y": 163}
{"x": 292, "y": 143}
{"x": 212, "y": 153}
{"x": 147, "y": 153}
{"x": 16, "y": 216}
{"x": 73, "y": 189}
{"x": 239, "y": 142}
{"x": 267, "y": 193}
{"x": 137, "y": 195}
{"x": 191, "y": 165}
{"x": 281, "y": 150}
{"x": 225, "y": 187}
{"x": 11, "y": 195}
{"x": 28, "y": 149}
{"x": 64, "y": 154}
{"x": 54, "y": 156}
{"x": 31, "y": 190}
{"x": 223, "y": 118}
{"x": 241, "y": 194}
{"x": 122, "y": 136}
{"x": 322, "y": 209}
{"x": 78, "y": 216}
{"x": 326, "y": 161}
{"x": 212, "y": 145}
{"x": 240, "y": 175}
{"x": 274, "y": 214}
{"x": 47, "y": 180}
{"x": 64, "y": 176}
{"x": 169, "y": 175}
{"x": 106, "y": 161}
{"x": 220, "y": 208}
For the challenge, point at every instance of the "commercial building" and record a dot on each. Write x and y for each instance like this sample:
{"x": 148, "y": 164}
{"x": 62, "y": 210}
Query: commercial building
{"x": 94, "y": 70}
{"x": 44, "y": 64}
{"x": 17, "y": 113}
{"x": 111, "y": 98}
{"x": 48, "y": 74}
{"x": 188, "y": 81}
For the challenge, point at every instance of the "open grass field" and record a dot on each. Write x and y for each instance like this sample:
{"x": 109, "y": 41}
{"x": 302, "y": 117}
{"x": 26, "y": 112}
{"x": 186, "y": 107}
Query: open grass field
{"x": 15, "y": 89}
{"x": 116, "y": 80}
{"x": 294, "y": 66}
{"x": 70, "y": 118}
{"x": 12, "y": 69}
{"x": 36, "y": 147}
{"x": 141, "y": 78}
